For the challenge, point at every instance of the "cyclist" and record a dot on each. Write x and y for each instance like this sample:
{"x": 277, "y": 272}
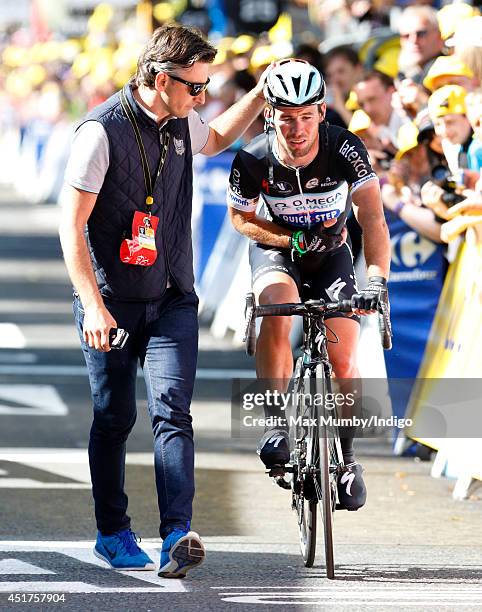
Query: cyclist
{"x": 308, "y": 174}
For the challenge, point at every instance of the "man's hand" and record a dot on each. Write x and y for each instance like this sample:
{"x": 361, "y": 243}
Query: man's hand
{"x": 308, "y": 242}
{"x": 431, "y": 195}
{"x": 259, "y": 88}
{"x": 367, "y": 301}
{"x": 96, "y": 327}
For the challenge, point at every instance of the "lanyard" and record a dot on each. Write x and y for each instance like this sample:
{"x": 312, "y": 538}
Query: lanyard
{"x": 165, "y": 136}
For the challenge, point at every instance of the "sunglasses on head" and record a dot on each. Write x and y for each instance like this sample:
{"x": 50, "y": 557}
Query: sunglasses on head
{"x": 194, "y": 88}
{"x": 416, "y": 33}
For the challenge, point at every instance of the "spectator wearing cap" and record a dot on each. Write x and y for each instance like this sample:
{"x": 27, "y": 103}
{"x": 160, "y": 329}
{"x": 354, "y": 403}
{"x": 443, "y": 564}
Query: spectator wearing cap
{"x": 401, "y": 193}
{"x": 467, "y": 41}
{"x": 447, "y": 109}
{"x": 448, "y": 70}
{"x": 451, "y": 16}
{"x": 343, "y": 70}
{"x": 374, "y": 92}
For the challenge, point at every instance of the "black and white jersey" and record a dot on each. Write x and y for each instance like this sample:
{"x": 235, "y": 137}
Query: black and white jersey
{"x": 301, "y": 198}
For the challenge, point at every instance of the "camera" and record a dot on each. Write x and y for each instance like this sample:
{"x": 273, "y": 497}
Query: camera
{"x": 442, "y": 177}
{"x": 118, "y": 338}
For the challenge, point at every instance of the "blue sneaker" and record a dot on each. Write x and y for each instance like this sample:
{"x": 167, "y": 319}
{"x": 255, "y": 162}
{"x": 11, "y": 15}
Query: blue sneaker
{"x": 120, "y": 551}
{"x": 181, "y": 551}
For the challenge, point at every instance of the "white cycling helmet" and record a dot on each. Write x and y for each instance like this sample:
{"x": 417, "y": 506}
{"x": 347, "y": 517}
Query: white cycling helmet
{"x": 294, "y": 82}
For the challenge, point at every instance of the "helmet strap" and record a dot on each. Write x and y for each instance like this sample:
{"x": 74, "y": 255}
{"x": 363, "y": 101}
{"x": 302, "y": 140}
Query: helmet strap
{"x": 268, "y": 124}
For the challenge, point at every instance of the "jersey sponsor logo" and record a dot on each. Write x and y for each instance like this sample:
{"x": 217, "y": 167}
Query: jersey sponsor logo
{"x": 328, "y": 182}
{"x": 312, "y": 183}
{"x": 239, "y": 202}
{"x": 283, "y": 187}
{"x": 357, "y": 184}
{"x": 335, "y": 199}
{"x": 234, "y": 181}
{"x": 314, "y": 217}
{"x": 348, "y": 151}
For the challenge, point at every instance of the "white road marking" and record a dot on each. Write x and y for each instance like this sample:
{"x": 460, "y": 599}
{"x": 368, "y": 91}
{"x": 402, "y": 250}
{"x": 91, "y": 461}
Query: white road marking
{"x": 35, "y": 400}
{"x": 83, "y": 587}
{"x": 81, "y": 551}
{"x": 15, "y": 566}
{"x": 60, "y": 370}
{"x": 11, "y": 336}
{"x": 364, "y": 594}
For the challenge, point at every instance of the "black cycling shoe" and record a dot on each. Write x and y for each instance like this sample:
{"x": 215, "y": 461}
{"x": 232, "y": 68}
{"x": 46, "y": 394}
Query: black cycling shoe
{"x": 352, "y": 493}
{"x": 273, "y": 448}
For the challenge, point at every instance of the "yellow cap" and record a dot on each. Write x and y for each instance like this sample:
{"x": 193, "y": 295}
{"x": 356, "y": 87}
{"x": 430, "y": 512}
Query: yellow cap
{"x": 450, "y": 15}
{"x": 352, "y": 103}
{"x": 360, "y": 121}
{"x": 388, "y": 62}
{"x": 242, "y": 44}
{"x": 448, "y": 100}
{"x": 445, "y": 65}
{"x": 406, "y": 139}
{"x": 263, "y": 56}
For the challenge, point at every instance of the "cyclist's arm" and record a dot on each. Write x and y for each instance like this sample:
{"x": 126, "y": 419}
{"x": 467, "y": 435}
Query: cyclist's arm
{"x": 368, "y": 209}
{"x": 259, "y": 229}
{"x": 352, "y": 157}
{"x": 242, "y": 199}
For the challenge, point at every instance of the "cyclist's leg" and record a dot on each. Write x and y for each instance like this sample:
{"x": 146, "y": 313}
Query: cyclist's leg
{"x": 274, "y": 283}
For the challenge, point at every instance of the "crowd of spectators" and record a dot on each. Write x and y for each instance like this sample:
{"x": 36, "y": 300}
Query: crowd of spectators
{"x": 405, "y": 76}
{"x": 393, "y": 79}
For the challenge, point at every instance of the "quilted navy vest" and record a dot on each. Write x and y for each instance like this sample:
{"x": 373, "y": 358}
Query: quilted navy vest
{"x": 123, "y": 192}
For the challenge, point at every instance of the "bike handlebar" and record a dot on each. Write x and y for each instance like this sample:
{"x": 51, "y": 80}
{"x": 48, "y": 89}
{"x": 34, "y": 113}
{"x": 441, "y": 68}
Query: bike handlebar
{"x": 319, "y": 307}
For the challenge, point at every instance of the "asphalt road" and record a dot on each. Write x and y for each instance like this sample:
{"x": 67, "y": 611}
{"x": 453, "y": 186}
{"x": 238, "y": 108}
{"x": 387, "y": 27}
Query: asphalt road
{"x": 411, "y": 547}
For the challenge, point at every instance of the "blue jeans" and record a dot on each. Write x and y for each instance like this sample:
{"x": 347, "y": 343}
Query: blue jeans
{"x": 163, "y": 337}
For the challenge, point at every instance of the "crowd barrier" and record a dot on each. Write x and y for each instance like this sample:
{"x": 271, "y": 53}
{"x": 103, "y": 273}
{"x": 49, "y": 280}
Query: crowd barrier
{"x": 454, "y": 354}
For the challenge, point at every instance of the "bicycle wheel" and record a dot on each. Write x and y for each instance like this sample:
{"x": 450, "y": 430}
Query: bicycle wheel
{"x": 303, "y": 503}
{"x": 327, "y": 481}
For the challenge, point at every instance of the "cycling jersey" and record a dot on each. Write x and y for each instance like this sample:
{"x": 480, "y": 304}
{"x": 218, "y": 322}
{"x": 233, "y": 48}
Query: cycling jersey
{"x": 307, "y": 196}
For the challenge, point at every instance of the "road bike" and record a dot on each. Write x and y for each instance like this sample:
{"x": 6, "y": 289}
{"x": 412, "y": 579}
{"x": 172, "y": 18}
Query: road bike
{"x": 316, "y": 459}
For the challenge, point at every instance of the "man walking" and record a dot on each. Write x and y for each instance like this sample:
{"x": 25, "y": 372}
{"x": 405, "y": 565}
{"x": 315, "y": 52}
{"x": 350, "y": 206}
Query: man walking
{"x": 126, "y": 237}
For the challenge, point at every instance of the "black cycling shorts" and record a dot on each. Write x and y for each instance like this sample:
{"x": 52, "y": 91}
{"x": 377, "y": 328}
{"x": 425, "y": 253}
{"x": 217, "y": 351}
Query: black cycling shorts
{"x": 329, "y": 277}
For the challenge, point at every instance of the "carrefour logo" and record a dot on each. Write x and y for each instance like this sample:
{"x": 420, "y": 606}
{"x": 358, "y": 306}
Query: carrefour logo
{"x": 411, "y": 250}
